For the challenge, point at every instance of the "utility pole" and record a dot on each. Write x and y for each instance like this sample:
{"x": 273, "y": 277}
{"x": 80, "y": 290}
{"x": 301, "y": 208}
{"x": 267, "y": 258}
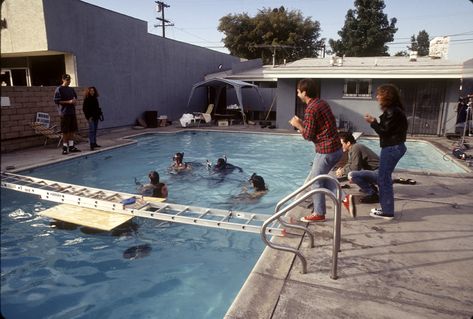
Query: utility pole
{"x": 160, "y": 6}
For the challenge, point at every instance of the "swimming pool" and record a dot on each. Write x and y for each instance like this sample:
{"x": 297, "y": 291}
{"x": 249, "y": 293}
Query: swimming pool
{"x": 191, "y": 272}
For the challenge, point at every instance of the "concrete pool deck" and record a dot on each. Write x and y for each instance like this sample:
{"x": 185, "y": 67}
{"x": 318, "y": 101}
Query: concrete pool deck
{"x": 420, "y": 265}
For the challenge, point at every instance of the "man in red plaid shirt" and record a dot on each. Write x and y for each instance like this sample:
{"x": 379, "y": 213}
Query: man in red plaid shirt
{"x": 320, "y": 128}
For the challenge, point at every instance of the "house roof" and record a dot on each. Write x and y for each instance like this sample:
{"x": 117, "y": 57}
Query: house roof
{"x": 356, "y": 67}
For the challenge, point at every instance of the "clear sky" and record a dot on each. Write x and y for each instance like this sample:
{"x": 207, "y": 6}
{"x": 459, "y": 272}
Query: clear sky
{"x": 196, "y": 21}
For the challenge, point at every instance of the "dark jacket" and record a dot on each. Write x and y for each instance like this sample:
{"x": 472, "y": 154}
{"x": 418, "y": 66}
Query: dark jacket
{"x": 361, "y": 157}
{"x": 91, "y": 108}
{"x": 392, "y": 127}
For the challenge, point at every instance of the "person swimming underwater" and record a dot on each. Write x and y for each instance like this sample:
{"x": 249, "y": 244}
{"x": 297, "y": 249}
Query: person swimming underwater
{"x": 178, "y": 163}
{"x": 222, "y": 166}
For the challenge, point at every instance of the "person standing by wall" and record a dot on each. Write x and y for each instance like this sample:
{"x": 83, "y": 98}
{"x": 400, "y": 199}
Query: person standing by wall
{"x": 92, "y": 113}
{"x": 66, "y": 99}
{"x": 319, "y": 127}
{"x": 392, "y": 131}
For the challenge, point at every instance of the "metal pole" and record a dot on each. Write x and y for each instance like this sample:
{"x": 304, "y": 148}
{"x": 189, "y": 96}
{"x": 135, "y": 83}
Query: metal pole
{"x": 466, "y": 127}
{"x": 163, "y": 24}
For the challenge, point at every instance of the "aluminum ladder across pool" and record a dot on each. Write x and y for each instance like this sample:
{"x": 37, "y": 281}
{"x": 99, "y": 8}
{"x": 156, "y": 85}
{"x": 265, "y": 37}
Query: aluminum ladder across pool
{"x": 110, "y": 201}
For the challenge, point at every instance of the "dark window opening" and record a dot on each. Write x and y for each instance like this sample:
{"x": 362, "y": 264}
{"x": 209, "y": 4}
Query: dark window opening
{"x": 357, "y": 88}
{"x": 14, "y": 77}
{"x": 46, "y": 70}
{"x": 42, "y": 70}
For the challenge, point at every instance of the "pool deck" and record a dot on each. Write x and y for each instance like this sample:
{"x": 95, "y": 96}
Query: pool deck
{"x": 420, "y": 265}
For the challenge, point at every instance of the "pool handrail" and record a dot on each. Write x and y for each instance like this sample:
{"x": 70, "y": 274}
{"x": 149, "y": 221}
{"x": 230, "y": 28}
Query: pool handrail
{"x": 297, "y": 192}
{"x": 336, "y": 199}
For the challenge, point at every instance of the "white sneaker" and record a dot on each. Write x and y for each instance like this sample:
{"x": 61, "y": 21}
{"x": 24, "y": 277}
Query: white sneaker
{"x": 378, "y": 213}
{"x": 376, "y": 210}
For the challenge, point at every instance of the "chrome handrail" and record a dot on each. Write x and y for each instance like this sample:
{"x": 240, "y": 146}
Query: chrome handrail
{"x": 297, "y": 192}
{"x": 337, "y": 201}
{"x": 305, "y": 186}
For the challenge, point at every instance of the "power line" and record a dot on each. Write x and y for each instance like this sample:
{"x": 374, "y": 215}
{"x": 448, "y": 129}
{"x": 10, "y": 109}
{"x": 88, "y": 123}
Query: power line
{"x": 164, "y": 23}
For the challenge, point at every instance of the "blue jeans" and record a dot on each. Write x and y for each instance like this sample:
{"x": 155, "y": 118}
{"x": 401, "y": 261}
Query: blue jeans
{"x": 323, "y": 164}
{"x": 390, "y": 156}
{"x": 364, "y": 179}
{"x": 93, "y": 125}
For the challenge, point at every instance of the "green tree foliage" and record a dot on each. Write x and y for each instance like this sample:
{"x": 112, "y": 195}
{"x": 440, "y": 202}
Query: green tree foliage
{"x": 366, "y": 31}
{"x": 293, "y": 35}
{"x": 421, "y": 43}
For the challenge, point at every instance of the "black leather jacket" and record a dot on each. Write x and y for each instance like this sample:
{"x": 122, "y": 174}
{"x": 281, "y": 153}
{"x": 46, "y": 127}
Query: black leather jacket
{"x": 392, "y": 127}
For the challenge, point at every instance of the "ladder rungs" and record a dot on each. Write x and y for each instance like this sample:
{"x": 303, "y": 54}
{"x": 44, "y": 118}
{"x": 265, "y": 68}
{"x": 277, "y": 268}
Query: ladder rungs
{"x": 105, "y": 200}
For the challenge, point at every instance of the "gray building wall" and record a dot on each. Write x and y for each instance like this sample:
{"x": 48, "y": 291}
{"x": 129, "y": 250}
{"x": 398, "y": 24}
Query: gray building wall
{"x": 286, "y": 102}
{"x": 133, "y": 70}
{"x": 353, "y": 109}
{"x": 349, "y": 108}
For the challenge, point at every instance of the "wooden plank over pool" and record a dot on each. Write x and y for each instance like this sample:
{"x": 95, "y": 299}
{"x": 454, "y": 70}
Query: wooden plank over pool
{"x": 88, "y": 217}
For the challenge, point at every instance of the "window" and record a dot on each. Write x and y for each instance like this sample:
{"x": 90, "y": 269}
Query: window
{"x": 357, "y": 88}
{"x": 15, "y": 77}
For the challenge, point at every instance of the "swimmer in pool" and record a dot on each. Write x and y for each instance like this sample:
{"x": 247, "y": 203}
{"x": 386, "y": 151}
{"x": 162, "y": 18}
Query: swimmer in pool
{"x": 223, "y": 166}
{"x": 259, "y": 188}
{"x": 178, "y": 163}
{"x": 155, "y": 188}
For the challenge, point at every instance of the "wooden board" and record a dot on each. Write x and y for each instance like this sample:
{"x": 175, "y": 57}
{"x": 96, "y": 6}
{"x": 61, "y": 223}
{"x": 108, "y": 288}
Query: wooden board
{"x": 83, "y": 216}
{"x": 153, "y": 199}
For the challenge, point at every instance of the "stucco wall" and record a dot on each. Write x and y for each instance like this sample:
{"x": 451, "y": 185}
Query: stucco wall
{"x": 286, "y": 102}
{"x": 353, "y": 109}
{"x": 349, "y": 109}
{"x": 26, "y": 31}
{"x": 133, "y": 70}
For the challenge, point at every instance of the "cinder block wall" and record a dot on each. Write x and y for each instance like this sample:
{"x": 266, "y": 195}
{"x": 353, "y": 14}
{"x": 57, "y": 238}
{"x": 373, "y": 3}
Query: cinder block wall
{"x": 16, "y": 132}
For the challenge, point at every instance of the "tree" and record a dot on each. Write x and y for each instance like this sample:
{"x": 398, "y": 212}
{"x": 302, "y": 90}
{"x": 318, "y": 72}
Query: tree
{"x": 289, "y": 32}
{"x": 366, "y": 30}
{"x": 421, "y": 43}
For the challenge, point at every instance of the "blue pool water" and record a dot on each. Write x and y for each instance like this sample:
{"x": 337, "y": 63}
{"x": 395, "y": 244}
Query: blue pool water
{"x": 421, "y": 156}
{"x": 190, "y": 272}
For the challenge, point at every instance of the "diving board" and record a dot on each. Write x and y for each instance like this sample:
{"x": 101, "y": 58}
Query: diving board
{"x": 88, "y": 217}
{"x": 106, "y": 201}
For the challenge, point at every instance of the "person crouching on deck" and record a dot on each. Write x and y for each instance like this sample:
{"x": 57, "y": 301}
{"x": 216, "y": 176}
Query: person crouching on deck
{"x": 318, "y": 127}
{"x": 360, "y": 169}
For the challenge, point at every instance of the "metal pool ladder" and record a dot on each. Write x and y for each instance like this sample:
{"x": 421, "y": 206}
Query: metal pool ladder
{"x": 281, "y": 211}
